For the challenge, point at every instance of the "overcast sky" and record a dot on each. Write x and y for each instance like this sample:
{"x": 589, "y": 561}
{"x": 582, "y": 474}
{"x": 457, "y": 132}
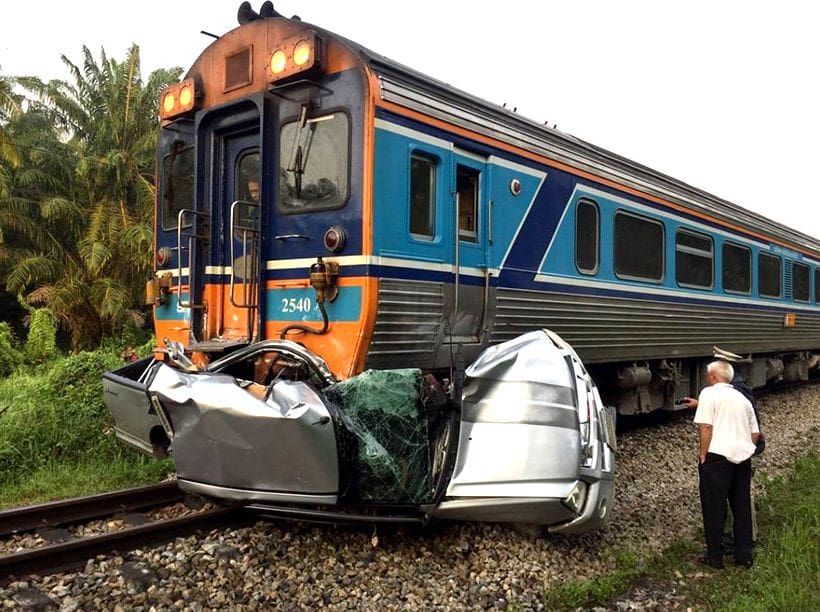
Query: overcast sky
{"x": 723, "y": 95}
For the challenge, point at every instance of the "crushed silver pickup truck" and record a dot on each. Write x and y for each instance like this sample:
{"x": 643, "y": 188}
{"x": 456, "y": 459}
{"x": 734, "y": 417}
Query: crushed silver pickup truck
{"x": 528, "y": 442}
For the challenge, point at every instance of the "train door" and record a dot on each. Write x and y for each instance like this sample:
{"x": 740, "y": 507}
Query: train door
{"x": 233, "y": 190}
{"x": 470, "y": 203}
{"x": 237, "y": 209}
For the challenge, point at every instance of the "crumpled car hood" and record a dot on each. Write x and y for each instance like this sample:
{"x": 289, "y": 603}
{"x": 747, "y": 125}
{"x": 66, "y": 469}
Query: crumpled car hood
{"x": 223, "y": 435}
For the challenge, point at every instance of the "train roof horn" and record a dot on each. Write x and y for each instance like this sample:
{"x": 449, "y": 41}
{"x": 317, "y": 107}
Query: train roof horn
{"x": 246, "y": 14}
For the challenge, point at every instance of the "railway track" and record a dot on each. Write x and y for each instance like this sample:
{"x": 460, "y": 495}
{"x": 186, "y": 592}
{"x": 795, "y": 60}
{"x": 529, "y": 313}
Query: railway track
{"x": 774, "y": 389}
{"x": 74, "y": 550}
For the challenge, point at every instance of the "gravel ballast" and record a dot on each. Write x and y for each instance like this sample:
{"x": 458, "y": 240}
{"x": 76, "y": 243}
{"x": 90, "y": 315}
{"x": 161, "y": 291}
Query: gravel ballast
{"x": 449, "y": 565}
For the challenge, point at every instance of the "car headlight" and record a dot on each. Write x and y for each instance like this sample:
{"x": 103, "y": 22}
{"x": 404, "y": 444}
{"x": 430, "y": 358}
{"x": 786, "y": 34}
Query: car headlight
{"x": 576, "y": 498}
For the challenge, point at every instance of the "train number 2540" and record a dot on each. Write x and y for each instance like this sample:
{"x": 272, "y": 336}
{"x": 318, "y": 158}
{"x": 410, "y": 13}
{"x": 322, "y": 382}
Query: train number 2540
{"x": 304, "y": 304}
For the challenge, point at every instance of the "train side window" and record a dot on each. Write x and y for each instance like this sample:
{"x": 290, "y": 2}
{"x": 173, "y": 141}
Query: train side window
{"x": 800, "y": 282}
{"x": 587, "y": 237}
{"x": 639, "y": 247}
{"x": 737, "y": 268}
{"x": 178, "y": 184}
{"x": 769, "y": 275}
{"x": 817, "y": 285}
{"x": 422, "y": 196}
{"x": 694, "y": 257}
{"x": 467, "y": 190}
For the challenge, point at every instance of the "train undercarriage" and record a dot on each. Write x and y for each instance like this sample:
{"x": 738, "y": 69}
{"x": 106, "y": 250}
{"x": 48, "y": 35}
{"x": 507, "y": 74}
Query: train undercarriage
{"x": 645, "y": 386}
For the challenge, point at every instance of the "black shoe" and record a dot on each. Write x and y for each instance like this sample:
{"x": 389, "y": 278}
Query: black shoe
{"x": 746, "y": 564}
{"x": 728, "y": 544}
{"x": 714, "y": 562}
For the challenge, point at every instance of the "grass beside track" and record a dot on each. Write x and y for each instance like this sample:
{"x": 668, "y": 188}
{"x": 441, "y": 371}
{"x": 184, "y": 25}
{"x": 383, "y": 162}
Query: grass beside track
{"x": 56, "y": 437}
{"x": 786, "y": 574}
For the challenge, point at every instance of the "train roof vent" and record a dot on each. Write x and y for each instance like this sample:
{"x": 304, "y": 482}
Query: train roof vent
{"x": 787, "y": 279}
{"x": 238, "y": 68}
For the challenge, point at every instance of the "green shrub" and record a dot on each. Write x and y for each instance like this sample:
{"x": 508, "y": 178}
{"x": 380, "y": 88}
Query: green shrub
{"x": 10, "y": 357}
{"x": 56, "y": 414}
{"x": 129, "y": 336}
{"x": 41, "y": 344}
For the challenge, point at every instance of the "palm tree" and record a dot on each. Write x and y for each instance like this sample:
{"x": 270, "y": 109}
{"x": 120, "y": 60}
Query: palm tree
{"x": 84, "y": 249}
{"x": 9, "y": 107}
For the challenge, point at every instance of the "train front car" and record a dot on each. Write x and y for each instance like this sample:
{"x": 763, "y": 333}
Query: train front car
{"x": 288, "y": 260}
{"x": 261, "y": 191}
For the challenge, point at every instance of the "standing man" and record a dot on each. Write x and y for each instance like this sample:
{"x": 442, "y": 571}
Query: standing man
{"x": 728, "y": 433}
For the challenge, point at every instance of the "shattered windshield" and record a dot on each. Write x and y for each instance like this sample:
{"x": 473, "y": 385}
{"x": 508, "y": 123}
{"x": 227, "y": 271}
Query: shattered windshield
{"x": 383, "y": 410}
{"x": 314, "y": 159}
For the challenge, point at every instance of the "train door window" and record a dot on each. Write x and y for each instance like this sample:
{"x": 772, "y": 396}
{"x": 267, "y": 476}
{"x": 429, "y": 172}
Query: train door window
{"x": 800, "y": 282}
{"x": 467, "y": 194}
{"x": 737, "y": 268}
{"x": 638, "y": 247}
{"x": 178, "y": 183}
{"x": 694, "y": 257}
{"x": 769, "y": 275}
{"x": 422, "y": 196}
{"x": 587, "y": 237}
{"x": 247, "y": 188}
{"x": 314, "y": 163}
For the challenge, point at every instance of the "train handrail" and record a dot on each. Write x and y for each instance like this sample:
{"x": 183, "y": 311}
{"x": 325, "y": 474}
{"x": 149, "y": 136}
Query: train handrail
{"x": 249, "y": 236}
{"x": 191, "y": 238}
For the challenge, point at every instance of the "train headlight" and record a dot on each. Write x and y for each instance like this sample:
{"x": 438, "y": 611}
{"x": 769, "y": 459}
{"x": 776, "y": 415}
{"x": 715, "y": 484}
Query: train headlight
{"x": 186, "y": 96}
{"x": 169, "y": 101}
{"x": 177, "y": 99}
{"x": 301, "y": 53}
{"x": 298, "y": 54}
{"x": 278, "y": 61}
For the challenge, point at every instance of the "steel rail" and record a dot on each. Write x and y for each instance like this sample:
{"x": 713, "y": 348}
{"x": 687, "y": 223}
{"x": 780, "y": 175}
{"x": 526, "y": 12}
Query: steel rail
{"x": 65, "y": 512}
{"x": 773, "y": 390}
{"x": 73, "y": 554}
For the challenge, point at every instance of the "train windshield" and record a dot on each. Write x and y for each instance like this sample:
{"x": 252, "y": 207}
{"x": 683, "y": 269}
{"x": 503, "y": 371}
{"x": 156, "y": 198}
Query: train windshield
{"x": 178, "y": 182}
{"x": 314, "y": 163}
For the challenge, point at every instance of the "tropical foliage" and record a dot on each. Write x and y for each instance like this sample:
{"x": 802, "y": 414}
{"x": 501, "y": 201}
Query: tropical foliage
{"x": 9, "y": 106}
{"x": 77, "y": 191}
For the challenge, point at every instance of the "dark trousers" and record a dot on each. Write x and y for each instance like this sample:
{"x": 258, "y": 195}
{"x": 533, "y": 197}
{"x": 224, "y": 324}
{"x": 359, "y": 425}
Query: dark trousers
{"x": 722, "y": 481}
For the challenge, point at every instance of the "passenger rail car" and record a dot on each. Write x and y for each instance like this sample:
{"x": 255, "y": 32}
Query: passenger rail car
{"x": 312, "y": 190}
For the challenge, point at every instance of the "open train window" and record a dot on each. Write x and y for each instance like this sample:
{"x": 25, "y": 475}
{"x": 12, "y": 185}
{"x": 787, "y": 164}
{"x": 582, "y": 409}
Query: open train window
{"x": 737, "y": 268}
{"x": 800, "y": 282}
{"x": 587, "y": 237}
{"x": 694, "y": 257}
{"x": 314, "y": 163}
{"x": 638, "y": 248}
{"x": 422, "y": 196}
{"x": 769, "y": 275}
{"x": 467, "y": 193}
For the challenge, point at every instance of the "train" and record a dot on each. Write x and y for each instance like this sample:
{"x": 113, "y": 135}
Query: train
{"x": 311, "y": 190}
{"x": 382, "y": 299}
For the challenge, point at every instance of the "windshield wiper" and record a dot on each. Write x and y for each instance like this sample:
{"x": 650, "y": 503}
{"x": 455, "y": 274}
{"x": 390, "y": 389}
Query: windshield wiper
{"x": 295, "y": 164}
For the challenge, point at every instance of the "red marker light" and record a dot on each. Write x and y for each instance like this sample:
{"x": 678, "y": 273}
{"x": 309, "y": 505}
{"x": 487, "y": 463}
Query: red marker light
{"x": 163, "y": 256}
{"x": 334, "y": 239}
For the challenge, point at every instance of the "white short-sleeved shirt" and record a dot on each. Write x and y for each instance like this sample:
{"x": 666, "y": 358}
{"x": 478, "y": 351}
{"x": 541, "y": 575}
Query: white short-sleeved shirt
{"x": 732, "y": 419}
